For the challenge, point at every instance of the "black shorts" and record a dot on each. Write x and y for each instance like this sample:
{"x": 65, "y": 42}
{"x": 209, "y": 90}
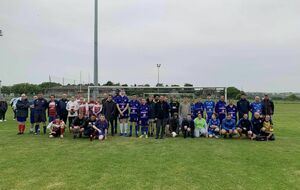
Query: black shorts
{"x": 39, "y": 117}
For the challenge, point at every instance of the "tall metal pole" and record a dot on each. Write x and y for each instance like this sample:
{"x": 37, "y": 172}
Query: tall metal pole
{"x": 158, "y": 82}
{"x": 96, "y": 48}
{"x": 0, "y": 88}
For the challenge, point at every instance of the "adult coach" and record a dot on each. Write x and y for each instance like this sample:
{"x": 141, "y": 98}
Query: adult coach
{"x": 243, "y": 106}
{"x": 161, "y": 116}
{"x": 62, "y": 108}
{"x": 40, "y": 106}
{"x": 22, "y": 113}
{"x": 109, "y": 111}
{"x": 267, "y": 106}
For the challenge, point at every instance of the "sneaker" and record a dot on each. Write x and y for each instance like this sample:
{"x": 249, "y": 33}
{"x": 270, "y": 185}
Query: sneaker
{"x": 4, "y": 119}
{"x": 216, "y": 136}
{"x": 146, "y": 137}
{"x": 121, "y": 134}
{"x": 1, "y": 120}
{"x": 19, "y": 133}
{"x": 51, "y": 136}
{"x": 61, "y": 136}
{"x": 91, "y": 137}
{"x": 141, "y": 136}
{"x": 125, "y": 135}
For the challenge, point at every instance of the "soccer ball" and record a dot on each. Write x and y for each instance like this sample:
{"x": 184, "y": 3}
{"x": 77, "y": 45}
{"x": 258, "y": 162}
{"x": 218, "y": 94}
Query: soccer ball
{"x": 174, "y": 134}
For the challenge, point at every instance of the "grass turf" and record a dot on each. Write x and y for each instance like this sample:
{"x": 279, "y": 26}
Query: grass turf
{"x": 37, "y": 162}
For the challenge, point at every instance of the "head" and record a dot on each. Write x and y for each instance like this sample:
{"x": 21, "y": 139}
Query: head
{"x": 245, "y": 116}
{"x": 102, "y": 117}
{"x": 268, "y": 118}
{"x": 256, "y": 115}
{"x": 175, "y": 115}
{"x": 52, "y": 98}
{"x": 214, "y": 116}
{"x": 72, "y": 98}
{"x": 257, "y": 99}
{"x": 23, "y": 96}
{"x": 209, "y": 96}
{"x": 199, "y": 115}
{"x": 122, "y": 92}
{"x": 81, "y": 99}
{"x": 64, "y": 96}
{"x": 185, "y": 100}
{"x": 134, "y": 97}
{"x": 156, "y": 97}
{"x": 150, "y": 98}
{"x": 93, "y": 117}
{"x": 266, "y": 97}
{"x": 40, "y": 95}
{"x": 109, "y": 98}
{"x": 166, "y": 98}
{"x": 105, "y": 95}
{"x": 161, "y": 98}
{"x": 143, "y": 101}
{"x": 174, "y": 99}
{"x": 243, "y": 96}
{"x": 80, "y": 115}
{"x": 228, "y": 117}
{"x": 231, "y": 102}
{"x": 222, "y": 98}
{"x": 35, "y": 97}
{"x": 189, "y": 117}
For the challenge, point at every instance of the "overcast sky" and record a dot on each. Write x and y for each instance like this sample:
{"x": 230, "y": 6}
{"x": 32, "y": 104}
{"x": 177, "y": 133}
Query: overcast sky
{"x": 250, "y": 44}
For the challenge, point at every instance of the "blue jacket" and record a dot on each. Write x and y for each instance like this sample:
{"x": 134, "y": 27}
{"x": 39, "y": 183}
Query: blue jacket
{"x": 228, "y": 124}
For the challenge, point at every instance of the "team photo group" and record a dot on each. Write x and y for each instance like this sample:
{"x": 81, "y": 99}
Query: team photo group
{"x": 157, "y": 116}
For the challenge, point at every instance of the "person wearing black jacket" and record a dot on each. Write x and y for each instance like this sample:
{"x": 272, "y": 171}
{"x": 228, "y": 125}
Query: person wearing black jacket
{"x": 3, "y": 109}
{"x": 161, "y": 116}
{"x": 243, "y": 106}
{"x": 109, "y": 111}
{"x": 257, "y": 125}
{"x": 151, "y": 103}
{"x": 244, "y": 126}
{"x": 22, "y": 107}
{"x": 267, "y": 106}
{"x": 40, "y": 106}
{"x": 62, "y": 112}
{"x": 78, "y": 125}
{"x": 188, "y": 127}
{"x": 174, "y": 106}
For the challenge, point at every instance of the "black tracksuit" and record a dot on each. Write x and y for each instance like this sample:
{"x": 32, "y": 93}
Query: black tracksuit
{"x": 267, "y": 107}
{"x": 245, "y": 125}
{"x": 190, "y": 124}
{"x": 243, "y": 107}
{"x": 109, "y": 111}
{"x": 257, "y": 124}
{"x": 162, "y": 115}
{"x": 62, "y": 112}
{"x": 3, "y": 109}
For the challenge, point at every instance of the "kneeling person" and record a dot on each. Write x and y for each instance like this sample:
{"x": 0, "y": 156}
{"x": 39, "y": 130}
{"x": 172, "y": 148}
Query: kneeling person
{"x": 245, "y": 127}
{"x": 100, "y": 128}
{"x": 57, "y": 128}
{"x": 228, "y": 127}
{"x": 200, "y": 126}
{"x": 188, "y": 127}
{"x": 214, "y": 127}
{"x": 78, "y": 125}
{"x": 267, "y": 129}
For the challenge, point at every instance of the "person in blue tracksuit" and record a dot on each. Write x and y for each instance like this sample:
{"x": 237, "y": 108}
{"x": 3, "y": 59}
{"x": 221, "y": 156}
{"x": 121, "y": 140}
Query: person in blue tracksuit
{"x": 209, "y": 107}
{"x": 134, "y": 105}
{"x": 214, "y": 127}
{"x": 256, "y": 106}
{"x": 144, "y": 118}
{"x": 232, "y": 109}
{"x": 228, "y": 127}
{"x": 221, "y": 108}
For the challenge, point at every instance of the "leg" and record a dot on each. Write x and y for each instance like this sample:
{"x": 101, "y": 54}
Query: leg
{"x": 158, "y": 126}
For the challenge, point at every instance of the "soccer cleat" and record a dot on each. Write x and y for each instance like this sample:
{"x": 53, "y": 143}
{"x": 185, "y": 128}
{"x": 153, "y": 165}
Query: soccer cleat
{"x": 1, "y": 120}
{"x": 141, "y": 136}
{"x": 5, "y": 120}
{"x": 146, "y": 137}
{"x": 51, "y": 136}
{"x": 91, "y": 137}
{"x": 74, "y": 136}
{"x": 61, "y": 136}
{"x": 19, "y": 133}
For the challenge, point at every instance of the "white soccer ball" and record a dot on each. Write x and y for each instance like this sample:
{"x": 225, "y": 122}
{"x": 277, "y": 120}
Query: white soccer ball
{"x": 174, "y": 134}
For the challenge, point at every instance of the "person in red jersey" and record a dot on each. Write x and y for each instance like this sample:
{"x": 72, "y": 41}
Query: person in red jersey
{"x": 83, "y": 107}
{"x": 97, "y": 108}
{"x": 57, "y": 128}
{"x": 52, "y": 108}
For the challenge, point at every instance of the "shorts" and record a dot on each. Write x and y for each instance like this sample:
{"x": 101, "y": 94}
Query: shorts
{"x": 244, "y": 131}
{"x": 125, "y": 115}
{"x": 21, "y": 119}
{"x": 133, "y": 119}
{"x": 39, "y": 117}
{"x": 144, "y": 123}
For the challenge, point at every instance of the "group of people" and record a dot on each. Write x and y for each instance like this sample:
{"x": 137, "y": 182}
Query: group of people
{"x": 156, "y": 116}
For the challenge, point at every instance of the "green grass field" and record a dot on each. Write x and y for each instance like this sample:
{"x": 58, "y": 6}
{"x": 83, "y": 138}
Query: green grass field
{"x": 37, "y": 162}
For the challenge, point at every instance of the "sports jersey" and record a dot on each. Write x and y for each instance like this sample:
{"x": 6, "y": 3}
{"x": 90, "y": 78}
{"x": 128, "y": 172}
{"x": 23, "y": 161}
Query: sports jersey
{"x": 122, "y": 101}
{"x": 228, "y": 124}
{"x": 245, "y": 124}
{"x": 134, "y": 107}
{"x": 221, "y": 110}
{"x": 256, "y": 107}
{"x": 232, "y": 109}
{"x": 52, "y": 109}
{"x": 97, "y": 108}
{"x": 197, "y": 108}
{"x": 83, "y": 108}
{"x": 209, "y": 107}
{"x": 144, "y": 114}
{"x": 174, "y": 107}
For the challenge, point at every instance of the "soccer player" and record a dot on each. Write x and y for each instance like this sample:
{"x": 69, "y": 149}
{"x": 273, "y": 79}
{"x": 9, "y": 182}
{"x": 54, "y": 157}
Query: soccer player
{"x": 232, "y": 109}
{"x": 78, "y": 125}
{"x": 228, "y": 127}
{"x": 31, "y": 103}
{"x": 243, "y": 106}
{"x": 100, "y": 128}
{"x": 52, "y": 108}
{"x": 174, "y": 106}
{"x": 188, "y": 127}
{"x": 161, "y": 116}
{"x": 40, "y": 107}
{"x": 143, "y": 118}
{"x": 268, "y": 129}
{"x": 221, "y": 108}
{"x": 109, "y": 111}
{"x": 209, "y": 107}
{"x": 198, "y": 107}
{"x": 214, "y": 127}
{"x": 256, "y": 106}
{"x": 90, "y": 105}
{"x": 88, "y": 128}
{"x": 244, "y": 126}
{"x": 83, "y": 107}
{"x": 62, "y": 108}
{"x": 57, "y": 128}
{"x": 3, "y": 109}
{"x": 22, "y": 113}
{"x": 200, "y": 126}
{"x": 122, "y": 106}
{"x": 97, "y": 108}
{"x": 267, "y": 106}
{"x": 134, "y": 105}
{"x": 72, "y": 108}
{"x": 151, "y": 103}
{"x": 257, "y": 125}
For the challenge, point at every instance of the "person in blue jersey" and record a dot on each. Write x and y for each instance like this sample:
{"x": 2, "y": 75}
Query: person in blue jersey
{"x": 214, "y": 127}
{"x": 122, "y": 106}
{"x": 228, "y": 127}
{"x": 209, "y": 107}
{"x": 143, "y": 113}
{"x": 100, "y": 128}
{"x": 134, "y": 105}
{"x": 221, "y": 108}
{"x": 244, "y": 127}
{"x": 232, "y": 109}
{"x": 31, "y": 106}
{"x": 256, "y": 106}
{"x": 198, "y": 107}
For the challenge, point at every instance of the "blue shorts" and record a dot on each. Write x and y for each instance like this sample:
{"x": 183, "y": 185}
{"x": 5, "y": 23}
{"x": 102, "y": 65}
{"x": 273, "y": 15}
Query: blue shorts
{"x": 144, "y": 122}
{"x": 134, "y": 119}
{"x": 21, "y": 119}
{"x": 125, "y": 115}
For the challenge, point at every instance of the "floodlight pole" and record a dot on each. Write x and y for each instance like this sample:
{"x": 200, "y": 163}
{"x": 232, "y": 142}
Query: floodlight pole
{"x": 0, "y": 87}
{"x": 158, "y": 82}
{"x": 96, "y": 48}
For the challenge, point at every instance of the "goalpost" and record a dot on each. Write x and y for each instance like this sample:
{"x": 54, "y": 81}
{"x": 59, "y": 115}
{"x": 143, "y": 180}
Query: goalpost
{"x": 170, "y": 91}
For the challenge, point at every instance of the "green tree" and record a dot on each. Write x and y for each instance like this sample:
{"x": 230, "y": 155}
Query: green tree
{"x": 233, "y": 93}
